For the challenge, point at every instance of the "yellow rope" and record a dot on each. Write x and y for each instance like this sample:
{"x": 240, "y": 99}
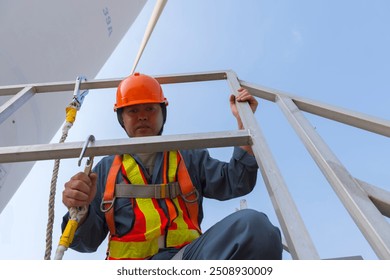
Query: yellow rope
{"x": 71, "y": 113}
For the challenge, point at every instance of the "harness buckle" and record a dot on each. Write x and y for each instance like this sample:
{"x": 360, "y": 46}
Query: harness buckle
{"x": 194, "y": 191}
{"x": 173, "y": 190}
{"x": 104, "y": 202}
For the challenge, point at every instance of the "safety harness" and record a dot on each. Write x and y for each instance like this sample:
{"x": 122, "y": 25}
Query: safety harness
{"x": 151, "y": 224}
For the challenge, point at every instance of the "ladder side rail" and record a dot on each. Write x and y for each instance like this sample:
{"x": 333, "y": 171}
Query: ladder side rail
{"x": 366, "y": 216}
{"x": 126, "y": 145}
{"x": 15, "y": 102}
{"x": 342, "y": 115}
{"x": 297, "y": 237}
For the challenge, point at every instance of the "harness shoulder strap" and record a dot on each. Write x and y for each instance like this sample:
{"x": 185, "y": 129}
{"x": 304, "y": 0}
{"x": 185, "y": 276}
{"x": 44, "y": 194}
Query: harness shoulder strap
{"x": 109, "y": 198}
{"x": 189, "y": 193}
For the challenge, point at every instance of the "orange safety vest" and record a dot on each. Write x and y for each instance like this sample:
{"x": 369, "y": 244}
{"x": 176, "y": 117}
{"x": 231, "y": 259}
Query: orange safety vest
{"x": 177, "y": 229}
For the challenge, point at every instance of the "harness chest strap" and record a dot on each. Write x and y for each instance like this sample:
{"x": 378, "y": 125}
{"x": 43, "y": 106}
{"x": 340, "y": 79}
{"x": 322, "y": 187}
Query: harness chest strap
{"x": 188, "y": 193}
{"x": 158, "y": 191}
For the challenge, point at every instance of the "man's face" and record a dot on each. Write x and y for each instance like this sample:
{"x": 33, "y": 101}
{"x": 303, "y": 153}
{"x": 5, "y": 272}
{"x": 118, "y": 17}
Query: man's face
{"x": 142, "y": 119}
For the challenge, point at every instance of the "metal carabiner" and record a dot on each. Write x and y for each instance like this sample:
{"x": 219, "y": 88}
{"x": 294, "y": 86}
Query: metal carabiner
{"x": 78, "y": 97}
{"x": 89, "y": 163}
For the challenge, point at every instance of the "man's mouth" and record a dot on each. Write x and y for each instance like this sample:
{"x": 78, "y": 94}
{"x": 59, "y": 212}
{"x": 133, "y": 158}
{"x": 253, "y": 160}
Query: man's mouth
{"x": 143, "y": 127}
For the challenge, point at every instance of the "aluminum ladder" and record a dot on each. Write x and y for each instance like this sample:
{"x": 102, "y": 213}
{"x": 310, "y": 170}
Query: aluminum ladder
{"x": 366, "y": 204}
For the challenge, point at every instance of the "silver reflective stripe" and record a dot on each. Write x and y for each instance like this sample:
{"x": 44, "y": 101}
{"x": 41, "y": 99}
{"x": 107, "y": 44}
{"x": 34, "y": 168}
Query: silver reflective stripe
{"x": 170, "y": 190}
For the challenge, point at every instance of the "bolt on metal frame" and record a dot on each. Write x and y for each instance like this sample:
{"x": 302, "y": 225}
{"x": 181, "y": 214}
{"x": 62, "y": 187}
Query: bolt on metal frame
{"x": 365, "y": 203}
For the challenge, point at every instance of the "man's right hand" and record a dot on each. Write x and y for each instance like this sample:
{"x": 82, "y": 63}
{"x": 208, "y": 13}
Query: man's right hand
{"x": 80, "y": 190}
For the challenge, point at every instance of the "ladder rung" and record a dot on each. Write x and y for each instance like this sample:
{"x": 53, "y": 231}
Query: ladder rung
{"x": 128, "y": 145}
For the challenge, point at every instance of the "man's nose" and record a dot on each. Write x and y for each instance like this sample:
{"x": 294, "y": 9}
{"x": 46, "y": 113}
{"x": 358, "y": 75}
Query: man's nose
{"x": 142, "y": 116}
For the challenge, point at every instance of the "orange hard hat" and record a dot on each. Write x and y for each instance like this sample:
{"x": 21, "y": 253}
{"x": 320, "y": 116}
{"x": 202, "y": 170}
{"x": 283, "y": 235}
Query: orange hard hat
{"x": 139, "y": 89}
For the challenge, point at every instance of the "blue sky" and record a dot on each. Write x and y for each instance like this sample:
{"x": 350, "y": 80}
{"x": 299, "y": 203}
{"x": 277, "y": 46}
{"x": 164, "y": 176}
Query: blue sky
{"x": 331, "y": 51}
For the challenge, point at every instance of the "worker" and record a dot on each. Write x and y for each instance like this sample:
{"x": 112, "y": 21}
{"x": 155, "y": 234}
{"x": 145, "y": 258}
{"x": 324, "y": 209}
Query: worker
{"x": 150, "y": 204}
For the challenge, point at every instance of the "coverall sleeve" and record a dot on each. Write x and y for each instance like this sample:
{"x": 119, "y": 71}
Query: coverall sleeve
{"x": 222, "y": 180}
{"x": 91, "y": 233}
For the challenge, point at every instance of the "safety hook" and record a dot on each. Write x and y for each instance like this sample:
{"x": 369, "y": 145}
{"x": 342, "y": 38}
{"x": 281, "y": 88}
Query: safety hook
{"x": 89, "y": 163}
{"x": 78, "y": 97}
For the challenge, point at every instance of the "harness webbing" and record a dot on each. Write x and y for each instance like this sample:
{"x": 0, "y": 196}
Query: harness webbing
{"x": 188, "y": 193}
{"x": 109, "y": 198}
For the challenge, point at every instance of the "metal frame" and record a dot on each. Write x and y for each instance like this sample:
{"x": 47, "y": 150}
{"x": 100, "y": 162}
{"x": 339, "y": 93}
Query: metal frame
{"x": 366, "y": 216}
{"x": 365, "y": 203}
{"x": 128, "y": 145}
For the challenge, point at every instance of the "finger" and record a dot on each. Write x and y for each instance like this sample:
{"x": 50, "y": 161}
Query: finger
{"x": 243, "y": 95}
{"x": 81, "y": 176}
{"x": 232, "y": 99}
{"x": 72, "y": 202}
{"x": 80, "y": 190}
{"x": 74, "y": 187}
{"x": 74, "y": 198}
{"x": 93, "y": 177}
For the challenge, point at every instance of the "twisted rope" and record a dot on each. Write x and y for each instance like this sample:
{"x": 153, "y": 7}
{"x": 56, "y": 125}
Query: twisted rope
{"x": 76, "y": 215}
{"x": 71, "y": 111}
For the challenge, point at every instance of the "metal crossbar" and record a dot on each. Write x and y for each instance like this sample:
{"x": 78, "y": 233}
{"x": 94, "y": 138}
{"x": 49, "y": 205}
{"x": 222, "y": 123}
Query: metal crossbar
{"x": 128, "y": 145}
{"x": 365, "y": 203}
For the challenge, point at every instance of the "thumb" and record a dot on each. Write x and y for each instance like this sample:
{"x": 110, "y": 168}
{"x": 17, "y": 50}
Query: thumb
{"x": 232, "y": 99}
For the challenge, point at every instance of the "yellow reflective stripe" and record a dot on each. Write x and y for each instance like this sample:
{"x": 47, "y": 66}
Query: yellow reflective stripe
{"x": 152, "y": 217}
{"x": 182, "y": 234}
{"x": 182, "y": 237}
{"x": 172, "y": 168}
{"x": 133, "y": 250}
{"x": 132, "y": 170}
